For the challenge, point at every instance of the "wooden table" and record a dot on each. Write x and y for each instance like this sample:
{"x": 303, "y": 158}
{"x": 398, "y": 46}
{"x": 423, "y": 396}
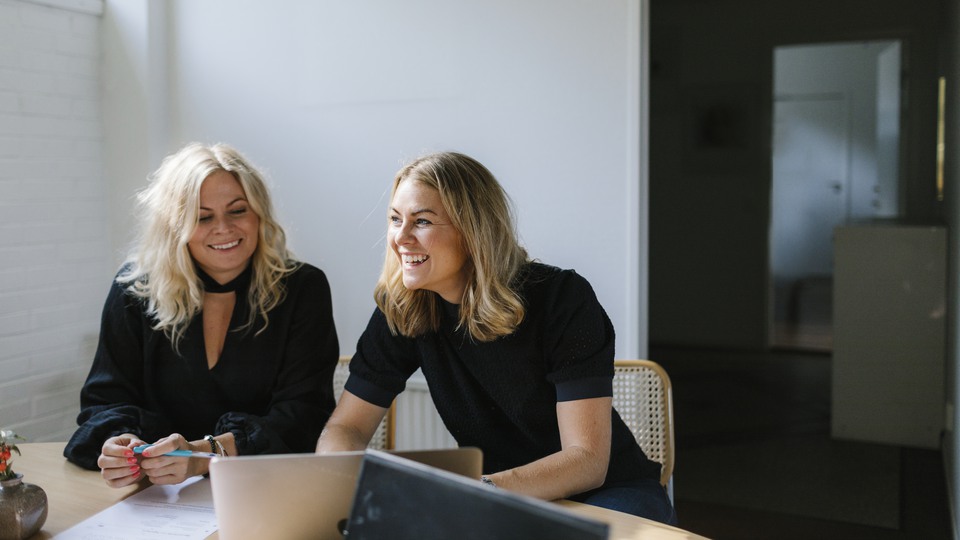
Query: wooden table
{"x": 75, "y": 494}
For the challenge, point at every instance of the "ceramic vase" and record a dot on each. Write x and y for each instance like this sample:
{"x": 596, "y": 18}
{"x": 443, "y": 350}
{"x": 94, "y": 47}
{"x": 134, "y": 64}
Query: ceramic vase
{"x": 23, "y": 508}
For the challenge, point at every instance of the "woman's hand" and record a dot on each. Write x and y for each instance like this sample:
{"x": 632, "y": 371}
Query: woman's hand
{"x": 161, "y": 469}
{"x": 580, "y": 465}
{"x": 117, "y": 462}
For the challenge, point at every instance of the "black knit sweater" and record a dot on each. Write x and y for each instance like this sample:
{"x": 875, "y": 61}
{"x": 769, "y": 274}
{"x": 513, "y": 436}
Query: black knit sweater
{"x": 501, "y": 396}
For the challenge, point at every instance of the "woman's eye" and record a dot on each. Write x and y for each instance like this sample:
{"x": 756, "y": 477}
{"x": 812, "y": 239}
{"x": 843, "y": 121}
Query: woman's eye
{"x": 394, "y": 220}
{"x": 238, "y": 212}
{"x": 204, "y": 219}
{"x": 423, "y": 222}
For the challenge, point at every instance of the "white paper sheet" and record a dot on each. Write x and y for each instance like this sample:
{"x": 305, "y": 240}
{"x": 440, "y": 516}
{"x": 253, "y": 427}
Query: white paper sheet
{"x": 184, "y": 511}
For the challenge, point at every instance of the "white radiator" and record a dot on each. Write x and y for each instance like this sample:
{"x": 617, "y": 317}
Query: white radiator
{"x": 418, "y": 425}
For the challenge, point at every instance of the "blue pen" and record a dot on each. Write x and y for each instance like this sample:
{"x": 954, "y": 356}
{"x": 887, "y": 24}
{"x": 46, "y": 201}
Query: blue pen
{"x": 178, "y": 453}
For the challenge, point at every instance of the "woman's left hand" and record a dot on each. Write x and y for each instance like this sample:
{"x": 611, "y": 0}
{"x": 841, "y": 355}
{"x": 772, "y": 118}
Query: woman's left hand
{"x": 161, "y": 469}
{"x": 580, "y": 465}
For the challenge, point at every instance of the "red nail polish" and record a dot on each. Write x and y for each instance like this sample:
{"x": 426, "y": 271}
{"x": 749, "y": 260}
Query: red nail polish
{"x": 131, "y": 460}
{"x": 128, "y": 452}
{"x": 135, "y": 468}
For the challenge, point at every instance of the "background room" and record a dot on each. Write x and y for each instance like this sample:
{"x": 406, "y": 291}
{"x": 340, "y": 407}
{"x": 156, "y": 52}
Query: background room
{"x": 591, "y": 116}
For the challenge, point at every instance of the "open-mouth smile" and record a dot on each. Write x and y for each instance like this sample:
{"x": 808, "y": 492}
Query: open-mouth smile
{"x": 228, "y": 245}
{"x": 414, "y": 260}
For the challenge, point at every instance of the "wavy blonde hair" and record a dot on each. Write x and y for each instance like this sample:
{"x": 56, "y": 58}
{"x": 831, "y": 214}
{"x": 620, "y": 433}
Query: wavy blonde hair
{"x": 160, "y": 269}
{"x": 480, "y": 211}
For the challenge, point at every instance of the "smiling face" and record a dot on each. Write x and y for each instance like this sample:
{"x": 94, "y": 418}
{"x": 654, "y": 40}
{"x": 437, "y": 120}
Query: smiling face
{"x": 227, "y": 231}
{"x": 428, "y": 246}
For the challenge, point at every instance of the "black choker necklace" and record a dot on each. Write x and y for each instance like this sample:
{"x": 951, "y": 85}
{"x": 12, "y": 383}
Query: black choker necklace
{"x": 210, "y": 285}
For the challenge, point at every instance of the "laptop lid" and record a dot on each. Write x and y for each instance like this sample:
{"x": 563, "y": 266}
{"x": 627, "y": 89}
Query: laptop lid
{"x": 400, "y": 499}
{"x": 303, "y": 495}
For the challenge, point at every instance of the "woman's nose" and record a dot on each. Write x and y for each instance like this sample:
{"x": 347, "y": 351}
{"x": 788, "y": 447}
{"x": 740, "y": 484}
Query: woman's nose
{"x": 402, "y": 235}
{"x": 221, "y": 224}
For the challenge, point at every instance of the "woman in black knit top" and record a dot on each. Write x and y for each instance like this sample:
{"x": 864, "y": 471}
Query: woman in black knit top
{"x": 518, "y": 355}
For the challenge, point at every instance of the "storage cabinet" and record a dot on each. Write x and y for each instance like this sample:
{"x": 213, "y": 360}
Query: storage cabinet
{"x": 889, "y": 316}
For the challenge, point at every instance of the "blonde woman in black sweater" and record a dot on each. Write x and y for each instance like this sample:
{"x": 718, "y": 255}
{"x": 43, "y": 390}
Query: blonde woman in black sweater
{"x": 518, "y": 355}
{"x": 213, "y": 338}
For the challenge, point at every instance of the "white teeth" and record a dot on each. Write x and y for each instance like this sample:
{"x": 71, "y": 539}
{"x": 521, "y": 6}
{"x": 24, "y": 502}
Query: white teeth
{"x": 414, "y": 259}
{"x": 226, "y": 246}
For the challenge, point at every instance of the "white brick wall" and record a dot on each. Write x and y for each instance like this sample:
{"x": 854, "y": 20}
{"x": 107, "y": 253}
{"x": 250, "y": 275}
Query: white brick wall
{"x": 55, "y": 260}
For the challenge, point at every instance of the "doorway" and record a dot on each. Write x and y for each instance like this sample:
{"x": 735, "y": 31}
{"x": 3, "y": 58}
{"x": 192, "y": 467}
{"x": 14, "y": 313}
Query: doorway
{"x": 835, "y": 160}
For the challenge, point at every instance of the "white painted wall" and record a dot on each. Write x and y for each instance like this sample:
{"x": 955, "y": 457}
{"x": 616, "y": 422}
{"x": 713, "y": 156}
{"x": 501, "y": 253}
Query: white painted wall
{"x": 331, "y": 98}
{"x": 134, "y": 93}
{"x": 54, "y": 246}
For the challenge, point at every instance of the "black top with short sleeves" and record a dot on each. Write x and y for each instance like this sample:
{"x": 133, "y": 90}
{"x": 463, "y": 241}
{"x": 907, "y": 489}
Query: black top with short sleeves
{"x": 501, "y": 395}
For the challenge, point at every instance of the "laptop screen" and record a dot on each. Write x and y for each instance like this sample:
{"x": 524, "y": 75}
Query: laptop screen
{"x": 400, "y": 499}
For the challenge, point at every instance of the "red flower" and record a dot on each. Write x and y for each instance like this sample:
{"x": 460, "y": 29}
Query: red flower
{"x": 3, "y": 466}
{"x": 5, "y": 455}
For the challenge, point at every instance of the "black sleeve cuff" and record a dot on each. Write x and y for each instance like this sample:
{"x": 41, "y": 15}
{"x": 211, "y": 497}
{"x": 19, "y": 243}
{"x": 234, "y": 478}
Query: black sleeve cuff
{"x": 369, "y": 392}
{"x": 590, "y": 387}
{"x": 99, "y": 423}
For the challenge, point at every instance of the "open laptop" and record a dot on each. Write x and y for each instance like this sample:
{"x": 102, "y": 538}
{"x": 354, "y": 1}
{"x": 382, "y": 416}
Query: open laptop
{"x": 294, "y": 496}
{"x": 400, "y": 499}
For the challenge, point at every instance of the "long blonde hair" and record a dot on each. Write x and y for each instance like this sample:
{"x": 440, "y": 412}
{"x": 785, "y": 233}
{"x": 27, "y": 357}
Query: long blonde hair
{"x": 480, "y": 211}
{"x": 160, "y": 269}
